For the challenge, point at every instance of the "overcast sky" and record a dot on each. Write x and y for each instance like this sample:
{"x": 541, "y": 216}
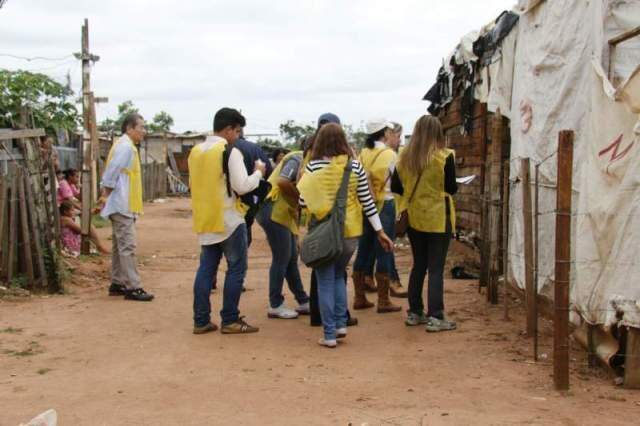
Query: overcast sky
{"x": 276, "y": 60}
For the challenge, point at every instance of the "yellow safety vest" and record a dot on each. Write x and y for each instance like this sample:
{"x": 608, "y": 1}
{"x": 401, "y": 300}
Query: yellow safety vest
{"x": 376, "y": 162}
{"x": 282, "y": 212}
{"x": 208, "y": 186}
{"x": 319, "y": 190}
{"x": 427, "y": 210}
{"x": 135, "y": 176}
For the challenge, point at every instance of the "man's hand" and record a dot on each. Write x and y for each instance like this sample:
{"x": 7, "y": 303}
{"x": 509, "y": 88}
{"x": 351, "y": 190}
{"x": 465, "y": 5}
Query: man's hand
{"x": 259, "y": 165}
{"x": 385, "y": 241}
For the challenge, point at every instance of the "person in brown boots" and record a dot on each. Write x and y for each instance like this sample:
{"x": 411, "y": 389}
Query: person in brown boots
{"x": 378, "y": 160}
{"x": 392, "y": 140}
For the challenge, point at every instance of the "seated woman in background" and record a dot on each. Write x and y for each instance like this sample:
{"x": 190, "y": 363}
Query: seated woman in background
{"x": 70, "y": 231}
{"x": 68, "y": 188}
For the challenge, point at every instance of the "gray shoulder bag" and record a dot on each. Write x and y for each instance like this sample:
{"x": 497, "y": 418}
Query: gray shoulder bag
{"x": 323, "y": 243}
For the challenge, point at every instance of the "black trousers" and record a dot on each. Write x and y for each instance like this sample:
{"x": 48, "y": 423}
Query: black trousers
{"x": 314, "y": 307}
{"x": 429, "y": 251}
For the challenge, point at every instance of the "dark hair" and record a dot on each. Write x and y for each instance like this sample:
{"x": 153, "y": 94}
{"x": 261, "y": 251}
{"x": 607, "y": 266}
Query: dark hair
{"x": 371, "y": 140}
{"x": 130, "y": 121}
{"x": 330, "y": 141}
{"x": 69, "y": 172}
{"x": 65, "y": 206}
{"x": 226, "y": 117}
{"x": 276, "y": 153}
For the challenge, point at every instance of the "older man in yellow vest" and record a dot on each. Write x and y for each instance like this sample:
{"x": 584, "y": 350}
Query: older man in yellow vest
{"x": 121, "y": 202}
{"x": 218, "y": 177}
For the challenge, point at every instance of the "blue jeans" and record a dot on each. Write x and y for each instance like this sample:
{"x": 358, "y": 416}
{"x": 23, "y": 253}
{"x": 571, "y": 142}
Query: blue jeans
{"x": 284, "y": 259}
{"x": 369, "y": 248}
{"x": 234, "y": 250}
{"x": 332, "y": 291}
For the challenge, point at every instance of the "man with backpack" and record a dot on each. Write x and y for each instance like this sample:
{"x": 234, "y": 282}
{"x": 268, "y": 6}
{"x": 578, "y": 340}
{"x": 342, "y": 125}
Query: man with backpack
{"x": 218, "y": 177}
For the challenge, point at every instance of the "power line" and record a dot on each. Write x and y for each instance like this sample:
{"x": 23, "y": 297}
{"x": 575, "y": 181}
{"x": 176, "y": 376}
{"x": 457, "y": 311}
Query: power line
{"x": 35, "y": 58}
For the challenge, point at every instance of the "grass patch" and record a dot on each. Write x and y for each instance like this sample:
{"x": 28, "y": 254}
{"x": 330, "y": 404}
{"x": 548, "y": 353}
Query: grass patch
{"x": 99, "y": 221}
{"x": 19, "y": 281}
{"x": 11, "y": 330}
{"x": 43, "y": 371}
{"x": 33, "y": 349}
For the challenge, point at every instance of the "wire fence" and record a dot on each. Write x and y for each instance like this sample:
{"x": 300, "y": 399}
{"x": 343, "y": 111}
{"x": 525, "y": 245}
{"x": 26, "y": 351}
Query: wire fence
{"x": 510, "y": 247}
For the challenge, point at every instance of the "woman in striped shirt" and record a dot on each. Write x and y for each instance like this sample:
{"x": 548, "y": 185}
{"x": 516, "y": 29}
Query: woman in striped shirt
{"x": 318, "y": 189}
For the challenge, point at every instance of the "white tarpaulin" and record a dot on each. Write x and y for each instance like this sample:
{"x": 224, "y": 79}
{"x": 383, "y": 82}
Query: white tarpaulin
{"x": 555, "y": 87}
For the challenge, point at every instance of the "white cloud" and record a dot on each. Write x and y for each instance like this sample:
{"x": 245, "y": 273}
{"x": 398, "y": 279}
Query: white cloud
{"x": 277, "y": 60}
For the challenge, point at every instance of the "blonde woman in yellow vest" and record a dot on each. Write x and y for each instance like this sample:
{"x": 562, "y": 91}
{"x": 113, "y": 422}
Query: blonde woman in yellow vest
{"x": 121, "y": 203}
{"x": 378, "y": 160}
{"x": 426, "y": 177}
{"x": 278, "y": 217}
{"x": 318, "y": 189}
{"x": 217, "y": 177}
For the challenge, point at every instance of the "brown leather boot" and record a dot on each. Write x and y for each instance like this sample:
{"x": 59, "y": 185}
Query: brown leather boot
{"x": 369, "y": 284}
{"x": 360, "y": 300}
{"x": 384, "y": 303}
{"x": 396, "y": 289}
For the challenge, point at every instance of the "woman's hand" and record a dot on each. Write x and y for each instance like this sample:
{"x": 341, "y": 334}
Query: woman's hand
{"x": 385, "y": 241}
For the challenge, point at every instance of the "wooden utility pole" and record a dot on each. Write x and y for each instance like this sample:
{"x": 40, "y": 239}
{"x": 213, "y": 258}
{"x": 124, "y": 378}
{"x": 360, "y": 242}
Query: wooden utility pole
{"x": 530, "y": 290}
{"x": 89, "y": 140}
{"x": 563, "y": 259}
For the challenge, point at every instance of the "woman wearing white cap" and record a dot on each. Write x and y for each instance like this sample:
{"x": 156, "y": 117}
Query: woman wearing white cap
{"x": 378, "y": 160}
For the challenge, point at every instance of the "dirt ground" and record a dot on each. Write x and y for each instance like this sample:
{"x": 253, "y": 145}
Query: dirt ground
{"x": 100, "y": 360}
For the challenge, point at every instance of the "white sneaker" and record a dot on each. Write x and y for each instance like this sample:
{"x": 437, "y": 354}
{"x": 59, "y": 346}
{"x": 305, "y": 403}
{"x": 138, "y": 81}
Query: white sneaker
{"x": 328, "y": 343}
{"x": 282, "y": 312}
{"x": 341, "y": 333}
{"x": 303, "y": 309}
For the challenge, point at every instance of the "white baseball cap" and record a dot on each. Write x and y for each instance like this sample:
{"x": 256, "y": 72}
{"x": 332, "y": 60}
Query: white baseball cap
{"x": 377, "y": 124}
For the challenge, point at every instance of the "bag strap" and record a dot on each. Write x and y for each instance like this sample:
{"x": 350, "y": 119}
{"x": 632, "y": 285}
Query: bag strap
{"x": 378, "y": 155}
{"x": 225, "y": 168}
{"x": 341, "y": 197}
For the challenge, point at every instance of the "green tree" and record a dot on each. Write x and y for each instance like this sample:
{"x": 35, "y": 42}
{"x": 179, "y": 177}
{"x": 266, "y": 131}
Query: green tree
{"x": 114, "y": 125}
{"x": 355, "y": 136}
{"x": 268, "y": 142}
{"x": 292, "y": 132}
{"x": 162, "y": 122}
{"x": 46, "y": 100}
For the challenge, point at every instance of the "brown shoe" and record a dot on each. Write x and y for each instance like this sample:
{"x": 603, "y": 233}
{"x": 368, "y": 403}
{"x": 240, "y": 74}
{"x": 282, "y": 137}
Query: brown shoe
{"x": 396, "y": 289}
{"x": 209, "y": 328}
{"x": 369, "y": 284}
{"x": 384, "y": 303}
{"x": 238, "y": 327}
{"x": 360, "y": 300}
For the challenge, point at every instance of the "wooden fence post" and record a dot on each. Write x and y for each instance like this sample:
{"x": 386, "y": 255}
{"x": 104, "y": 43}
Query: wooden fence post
{"x": 24, "y": 225}
{"x": 494, "y": 206}
{"x": 530, "y": 290}
{"x": 13, "y": 217}
{"x": 505, "y": 236}
{"x": 563, "y": 259}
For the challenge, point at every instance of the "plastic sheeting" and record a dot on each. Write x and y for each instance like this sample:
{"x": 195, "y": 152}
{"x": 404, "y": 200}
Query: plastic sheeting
{"x": 556, "y": 86}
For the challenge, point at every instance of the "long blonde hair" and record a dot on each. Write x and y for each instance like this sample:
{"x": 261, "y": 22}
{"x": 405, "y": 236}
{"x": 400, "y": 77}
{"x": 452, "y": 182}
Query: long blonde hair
{"x": 426, "y": 139}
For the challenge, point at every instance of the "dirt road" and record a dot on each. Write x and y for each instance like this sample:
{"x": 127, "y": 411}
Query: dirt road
{"x": 100, "y": 360}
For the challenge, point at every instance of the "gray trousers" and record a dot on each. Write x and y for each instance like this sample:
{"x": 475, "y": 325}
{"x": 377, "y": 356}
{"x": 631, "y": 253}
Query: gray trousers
{"x": 124, "y": 269}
